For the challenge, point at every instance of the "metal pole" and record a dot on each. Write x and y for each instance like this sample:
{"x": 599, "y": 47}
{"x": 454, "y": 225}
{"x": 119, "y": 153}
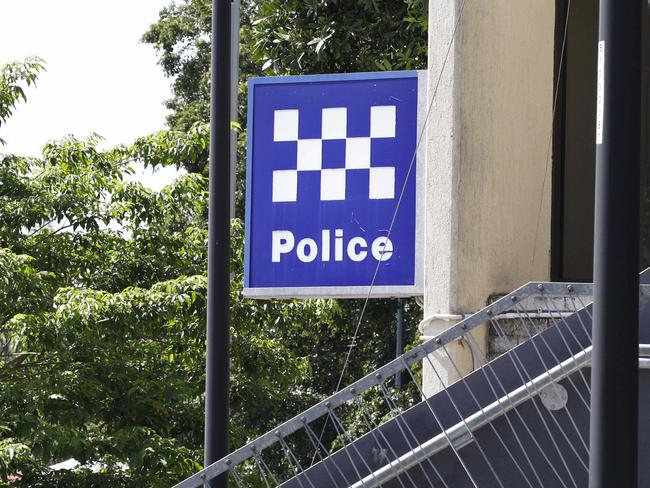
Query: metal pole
{"x": 234, "y": 105}
{"x": 218, "y": 320}
{"x": 614, "y": 376}
{"x": 399, "y": 339}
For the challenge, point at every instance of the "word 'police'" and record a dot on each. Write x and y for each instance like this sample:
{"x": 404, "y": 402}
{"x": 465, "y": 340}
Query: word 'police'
{"x": 307, "y": 250}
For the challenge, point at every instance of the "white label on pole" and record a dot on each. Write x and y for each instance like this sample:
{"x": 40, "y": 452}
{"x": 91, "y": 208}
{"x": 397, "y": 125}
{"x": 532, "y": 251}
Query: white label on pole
{"x": 600, "y": 100}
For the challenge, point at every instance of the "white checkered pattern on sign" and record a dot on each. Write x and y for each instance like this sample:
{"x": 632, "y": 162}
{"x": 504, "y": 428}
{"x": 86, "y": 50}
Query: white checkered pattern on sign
{"x": 310, "y": 154}
{"x": 381, "y": 180}
{"x": 382, "y": 121}
{"x": 335, "y": 123}
{"x": 382, "y": 183}
{"x": 285, "y": 125}
{"x": 285, "y": 185}
{"x": 357, "y": 153}
{"x": 332, "y": 184}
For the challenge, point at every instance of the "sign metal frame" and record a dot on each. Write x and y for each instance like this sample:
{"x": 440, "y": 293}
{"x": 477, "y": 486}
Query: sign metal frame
{"x": 375, "y": 291}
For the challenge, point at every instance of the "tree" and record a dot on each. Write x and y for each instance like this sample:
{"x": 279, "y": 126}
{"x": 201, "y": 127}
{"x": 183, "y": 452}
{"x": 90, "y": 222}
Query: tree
{"x": 103, "y": 319}
{"x": 280, "y": 37}
{"x": 102, "y": 316}
{"x": 13, "y": 79}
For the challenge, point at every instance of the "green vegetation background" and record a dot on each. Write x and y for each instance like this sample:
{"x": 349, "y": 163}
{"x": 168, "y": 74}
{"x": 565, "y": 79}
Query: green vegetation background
{"x": 102, "y": 281}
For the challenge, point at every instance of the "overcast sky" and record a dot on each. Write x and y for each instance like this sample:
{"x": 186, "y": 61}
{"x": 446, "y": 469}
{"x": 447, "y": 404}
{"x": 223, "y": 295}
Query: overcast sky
{"x": 100, "y": 77}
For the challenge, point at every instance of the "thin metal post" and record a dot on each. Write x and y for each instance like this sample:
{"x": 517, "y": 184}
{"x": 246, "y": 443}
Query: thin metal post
{"x": 614, "y": 376}
{"x": 399, "y": 338}
{"x": 218, "y": 320}
{"x": 234, "y": 105}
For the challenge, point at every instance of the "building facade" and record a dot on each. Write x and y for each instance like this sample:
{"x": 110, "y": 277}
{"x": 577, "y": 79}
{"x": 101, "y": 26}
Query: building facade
{"x": 510, "y": 155}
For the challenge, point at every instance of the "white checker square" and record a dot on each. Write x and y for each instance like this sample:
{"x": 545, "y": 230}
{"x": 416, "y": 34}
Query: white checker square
{"x": 335, "y": 123}
{"x": 382, "y": 183}
{"x": 382, "y": 121}
{"x": 332, "y": 184}
{"x": 310, "y": 154}
{"x": 357, "y": 153}
{"x": 285, "y": 125}
{"x": 285, "y": 185}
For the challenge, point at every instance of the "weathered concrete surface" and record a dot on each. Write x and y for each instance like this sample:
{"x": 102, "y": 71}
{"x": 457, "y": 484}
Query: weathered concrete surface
{"x": 488, "y": 183}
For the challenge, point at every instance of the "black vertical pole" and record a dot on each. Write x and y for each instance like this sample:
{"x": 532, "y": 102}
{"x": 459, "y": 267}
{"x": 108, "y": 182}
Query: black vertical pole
{"x": 218, "y": 320}
{"x": 614, "y": 376}
{"x": 234, "y": 84}
{"x": 399, "y": 338}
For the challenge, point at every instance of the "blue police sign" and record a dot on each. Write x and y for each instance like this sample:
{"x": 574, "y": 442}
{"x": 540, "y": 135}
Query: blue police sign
{"x": 332, "y": 185}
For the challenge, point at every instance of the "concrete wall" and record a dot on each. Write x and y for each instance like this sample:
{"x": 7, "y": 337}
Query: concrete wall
{"x": 488, "y": 183}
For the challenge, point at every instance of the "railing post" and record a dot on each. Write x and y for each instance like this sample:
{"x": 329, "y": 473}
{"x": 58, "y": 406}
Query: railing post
{"x": 614, "y": 409}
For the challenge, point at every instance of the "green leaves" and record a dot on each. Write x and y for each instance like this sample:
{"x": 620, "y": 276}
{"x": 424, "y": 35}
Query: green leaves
{"x": 280, "y": 37}
{"x": 102, "y": 318}
{"x": 14, "y": 77}
{"x": 173, "y": 148}
{"x": 12, "y": 455}
{"x": 102, "y": 281}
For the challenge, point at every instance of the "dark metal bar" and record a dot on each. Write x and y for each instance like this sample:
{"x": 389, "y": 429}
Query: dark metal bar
{"x": 614, "y": 394}
{"x": 399, "y": 338}
{"x": 218, "y": 320}
{"x": 558, "y": 148}
{"x": 234, "y": 106}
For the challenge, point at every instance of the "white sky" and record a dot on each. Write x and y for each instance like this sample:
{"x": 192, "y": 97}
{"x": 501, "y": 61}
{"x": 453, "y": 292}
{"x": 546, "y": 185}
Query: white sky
{"x": 100, "y": 77}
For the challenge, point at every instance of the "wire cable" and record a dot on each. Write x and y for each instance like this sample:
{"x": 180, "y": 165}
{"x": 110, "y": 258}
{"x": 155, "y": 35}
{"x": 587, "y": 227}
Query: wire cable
{"x": 550, "y": 139}
{"x": 399, "y": 200}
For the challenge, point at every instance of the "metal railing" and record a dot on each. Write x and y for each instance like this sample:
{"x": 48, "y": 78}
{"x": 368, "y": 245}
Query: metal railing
{"x": 324, "y": 438}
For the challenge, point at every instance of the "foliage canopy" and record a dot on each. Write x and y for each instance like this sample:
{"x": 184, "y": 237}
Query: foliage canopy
{"x": 102, "y": 320}
{"x": 102, "y": 304}
{"x": 280, "y": 37}
{"x": 103, "y": 316}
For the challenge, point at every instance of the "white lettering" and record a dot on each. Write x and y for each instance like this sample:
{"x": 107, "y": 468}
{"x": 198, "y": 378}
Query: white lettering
{"x": 325, "y": 242}
{"x": 308, "y": 249}
{"x": 382, "y": 248}
{"x": 338, "y": 245}
{"x": 352, "y": 251}
{"x": 303, "y": 255}
{"x": 283, "y": 242}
